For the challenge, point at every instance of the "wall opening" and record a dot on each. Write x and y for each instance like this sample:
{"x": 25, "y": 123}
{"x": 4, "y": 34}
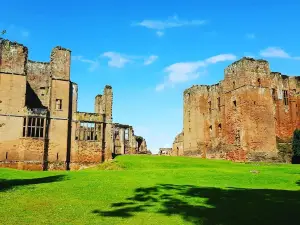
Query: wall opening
{"x": 274, "y": 94}
{"x": 6, "y": 155}
{"x": 220, "y": 126}
{"x": 285, "y": 97}
{"x": 219, "y": 103}
{"x": 234, "y": 103}
{"x": 233, "y": 84}
{"x": 33, "y": 127}
{"x": 209, "y": 106}
{"x": 126, "y": 134}
{"x": 259, "y": 82}
{"x": 88, "y": 131}
{"x": 210, "y": 127}
{"x": 56, "y": 156}
{"x": 58, "y": 104}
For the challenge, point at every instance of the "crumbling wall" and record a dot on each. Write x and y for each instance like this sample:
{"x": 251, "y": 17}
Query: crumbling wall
{"x": 60, "y": 63}
{"x": 38, "y": 84}
{"x": 239, "y": 118}
{"x": 177, "y": 148}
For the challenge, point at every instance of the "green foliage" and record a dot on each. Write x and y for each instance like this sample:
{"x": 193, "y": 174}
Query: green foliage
{"x": 296, "y": 143}
{"x": 142, "y": 189}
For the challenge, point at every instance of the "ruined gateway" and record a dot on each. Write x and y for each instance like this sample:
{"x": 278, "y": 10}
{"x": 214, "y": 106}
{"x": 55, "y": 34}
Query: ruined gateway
{"x": 40, "y": 127}
{"x": 249, "y": 116}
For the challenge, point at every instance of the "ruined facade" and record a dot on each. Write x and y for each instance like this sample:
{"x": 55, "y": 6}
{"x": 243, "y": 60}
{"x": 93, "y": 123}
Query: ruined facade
{"x": 40, "y": 127}
{"x": 249, "y": 116}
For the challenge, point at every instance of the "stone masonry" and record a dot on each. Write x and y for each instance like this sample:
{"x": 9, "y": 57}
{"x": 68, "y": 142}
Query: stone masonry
{"x": 249, "y": 116}
{"x": 40, "y": 127}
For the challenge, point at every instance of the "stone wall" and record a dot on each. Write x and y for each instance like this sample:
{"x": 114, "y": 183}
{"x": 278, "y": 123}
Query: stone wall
{"x": 240, "y": 117}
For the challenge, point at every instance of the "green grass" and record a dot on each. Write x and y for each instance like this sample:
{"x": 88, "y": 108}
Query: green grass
{"x": 154, "y": 190}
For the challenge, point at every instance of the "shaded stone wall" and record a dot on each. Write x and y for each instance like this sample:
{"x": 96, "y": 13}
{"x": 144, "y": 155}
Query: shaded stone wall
{"x": 240, "y": 117}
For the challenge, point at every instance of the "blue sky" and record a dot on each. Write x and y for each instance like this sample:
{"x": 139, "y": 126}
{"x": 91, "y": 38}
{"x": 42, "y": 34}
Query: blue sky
{"x": 150, "y": 51}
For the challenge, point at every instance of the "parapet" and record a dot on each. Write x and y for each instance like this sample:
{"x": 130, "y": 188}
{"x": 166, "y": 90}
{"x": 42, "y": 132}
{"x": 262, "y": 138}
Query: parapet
{"x": 13, "y": 57}
{"x": 202, "y": 89}
{"x": 60, "y": 61}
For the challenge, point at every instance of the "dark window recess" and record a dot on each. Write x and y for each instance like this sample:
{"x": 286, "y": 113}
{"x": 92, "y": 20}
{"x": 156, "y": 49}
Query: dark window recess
{"x": 88, "y": 131}
{"x": 220, "y": 126}
{"x": 42, "y": 91}
{"x": 57, "y": 156}
{"x": 274, "y": 94}
{"x": 209, "y": 106}
{"x": 219, "y": 103}
{"x": 58, "y": 104}
{"x": 285, "y": 97}
{"x": 259, "y": 82}
{"x": 233, "y": 84}
{"x": 6, "y": 155}
{"x": 33, "y": 127}
{"x": 210, "y": 127}
{"x": 234, "y": 103}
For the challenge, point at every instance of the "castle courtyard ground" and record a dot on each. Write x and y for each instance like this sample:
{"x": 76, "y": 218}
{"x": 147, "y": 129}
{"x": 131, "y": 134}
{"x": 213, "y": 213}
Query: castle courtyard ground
{"x": 154, "y": 190}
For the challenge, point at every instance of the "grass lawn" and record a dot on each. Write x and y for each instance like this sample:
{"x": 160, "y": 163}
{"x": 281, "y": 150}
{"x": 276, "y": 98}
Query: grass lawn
{"x": 154, "y": 190}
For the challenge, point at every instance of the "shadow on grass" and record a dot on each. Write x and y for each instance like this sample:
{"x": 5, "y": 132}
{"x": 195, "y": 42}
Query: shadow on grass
{"x": 6, "y": 185}
{"x": 211, "y": 206}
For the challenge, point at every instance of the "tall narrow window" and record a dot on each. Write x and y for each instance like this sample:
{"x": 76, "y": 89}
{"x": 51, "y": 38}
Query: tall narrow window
{"x": 6, "y": 155}
{"x": 285, "y": 97}
{"x": 209, "y": 106}
{"x": 219, "y": 103}
{"x": 274, "y": 94}
{"x": 58, "y": 104}
{"x": 233, "y": 84}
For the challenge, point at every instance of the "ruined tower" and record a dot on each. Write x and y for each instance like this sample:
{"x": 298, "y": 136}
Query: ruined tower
{"x": 244, "y": 117}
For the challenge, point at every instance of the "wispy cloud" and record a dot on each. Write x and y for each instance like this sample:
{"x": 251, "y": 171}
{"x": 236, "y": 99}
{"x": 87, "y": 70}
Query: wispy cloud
{"x": 250, "y": 36}
{"x": 93, "y": 64}
{"x": 160, "y": 33}
{"x": 150, "y": 59}
{"x": 116, "y": 59}
{"x": 186, "y": 71}
{"x": 172, "y": 22}
{"x": 277, "y": 52}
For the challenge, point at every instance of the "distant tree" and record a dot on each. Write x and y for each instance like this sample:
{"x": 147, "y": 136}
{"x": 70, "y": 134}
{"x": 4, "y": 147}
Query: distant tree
{"x": 296, "y": 147}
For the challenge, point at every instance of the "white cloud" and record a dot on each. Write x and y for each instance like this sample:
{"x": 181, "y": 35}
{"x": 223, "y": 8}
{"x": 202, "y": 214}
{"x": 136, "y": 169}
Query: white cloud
{"x": 186, "y": 71}
{"x": 172, "y": 22}
{"x": 276, "y": 52}
{"x": 94, "y": 64}
{"x": 160, "y": 33}
{"x": 250, "y": 36}
{"x": 150, "y": 59}
{"x": 116, "y": 59}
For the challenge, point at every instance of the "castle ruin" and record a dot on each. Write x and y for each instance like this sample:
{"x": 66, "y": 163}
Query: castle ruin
{"x": 40, "y": 127}
{"x": 249, "y": 116}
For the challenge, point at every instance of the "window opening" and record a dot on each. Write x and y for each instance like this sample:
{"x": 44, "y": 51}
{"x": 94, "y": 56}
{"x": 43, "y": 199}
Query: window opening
{"x": 58, "y": 104}
{"x": 285, "y": 97}
{"x": 33, "y": 127}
